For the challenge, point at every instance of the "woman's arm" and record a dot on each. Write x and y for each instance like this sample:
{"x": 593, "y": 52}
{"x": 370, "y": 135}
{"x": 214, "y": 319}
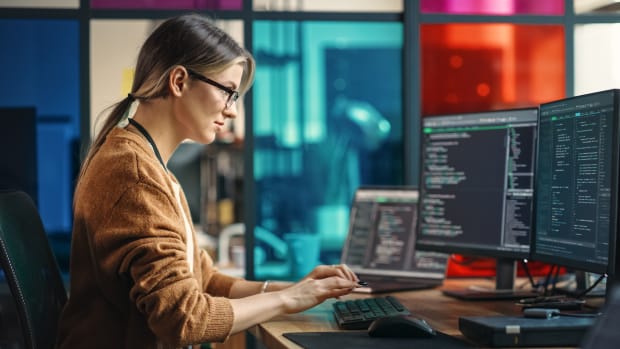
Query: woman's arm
{"x": 244, "y": 288}
{"x": 252, "y": 304}
{"x": 252, "y": 310}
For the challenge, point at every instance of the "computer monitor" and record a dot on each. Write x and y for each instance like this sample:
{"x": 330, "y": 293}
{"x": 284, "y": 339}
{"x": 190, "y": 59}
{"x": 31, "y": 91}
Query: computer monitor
{"x": 476, "y": 189}
{"x": 576, "y": 199}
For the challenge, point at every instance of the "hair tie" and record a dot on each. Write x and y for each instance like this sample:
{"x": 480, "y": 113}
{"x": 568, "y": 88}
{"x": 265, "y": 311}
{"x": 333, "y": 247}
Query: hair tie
{"x": 129, "y": 113}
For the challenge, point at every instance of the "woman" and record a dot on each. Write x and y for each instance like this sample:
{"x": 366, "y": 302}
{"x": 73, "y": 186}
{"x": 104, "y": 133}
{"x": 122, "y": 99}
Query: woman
{"x": 138, "y": 280}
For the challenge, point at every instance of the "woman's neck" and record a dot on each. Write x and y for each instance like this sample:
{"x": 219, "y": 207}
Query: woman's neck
{"x": 156, "y": 118}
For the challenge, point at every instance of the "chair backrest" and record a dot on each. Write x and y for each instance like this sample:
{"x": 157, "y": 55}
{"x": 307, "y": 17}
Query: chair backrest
{"x": 30, "y": 269}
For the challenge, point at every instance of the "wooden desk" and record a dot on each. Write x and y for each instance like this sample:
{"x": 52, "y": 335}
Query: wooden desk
{"x": 439, "y": 311}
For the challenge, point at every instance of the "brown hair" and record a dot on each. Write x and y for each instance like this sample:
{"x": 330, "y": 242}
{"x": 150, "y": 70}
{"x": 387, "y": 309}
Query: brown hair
{"x": 192, "y": 41}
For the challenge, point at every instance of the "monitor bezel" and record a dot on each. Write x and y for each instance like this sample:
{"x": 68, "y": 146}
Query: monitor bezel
{"x": 610, "y": 267}
{"x": 458, "y": 248}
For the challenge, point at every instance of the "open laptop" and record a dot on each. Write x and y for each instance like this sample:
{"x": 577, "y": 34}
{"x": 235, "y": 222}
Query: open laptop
{"x": 380, "y": 244}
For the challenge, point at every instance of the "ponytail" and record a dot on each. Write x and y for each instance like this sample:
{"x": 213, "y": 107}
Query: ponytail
{"x": 119, "y": 110}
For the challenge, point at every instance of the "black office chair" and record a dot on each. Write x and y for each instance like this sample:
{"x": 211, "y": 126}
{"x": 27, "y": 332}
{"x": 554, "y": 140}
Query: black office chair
{"x": 30, "y": 269}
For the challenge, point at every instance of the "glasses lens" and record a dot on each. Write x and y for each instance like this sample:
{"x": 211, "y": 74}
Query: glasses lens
{"x": 232, "y": 98}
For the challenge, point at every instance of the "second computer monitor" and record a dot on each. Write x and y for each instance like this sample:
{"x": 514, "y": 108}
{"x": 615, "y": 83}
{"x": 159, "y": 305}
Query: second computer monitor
{"x": 576, "y": 204}
{"x": 477, "y": 177}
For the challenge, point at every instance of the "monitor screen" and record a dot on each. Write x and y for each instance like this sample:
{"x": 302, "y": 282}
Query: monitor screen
{"x": 477, "y": 182}
{"x": 477, "y": 178}
{"x": 576, "y": 182}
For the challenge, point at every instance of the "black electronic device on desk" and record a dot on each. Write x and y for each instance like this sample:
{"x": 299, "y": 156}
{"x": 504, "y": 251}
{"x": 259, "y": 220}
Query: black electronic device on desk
{"x": 515, "y": 331}
{"x": 358, "y": 314}
{"x": 476, "y": 189}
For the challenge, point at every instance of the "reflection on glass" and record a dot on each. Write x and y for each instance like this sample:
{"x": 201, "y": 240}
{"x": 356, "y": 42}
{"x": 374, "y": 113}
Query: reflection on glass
{"x": 330, "y": 5}
{"x": 596, "y": 57}
{"x": 327, "y": 119}
{"x": 493, "y": 7}
{"x": 168, "y": 4}
{"x": 474, "y": 67}
{"x": 40, "y": 3}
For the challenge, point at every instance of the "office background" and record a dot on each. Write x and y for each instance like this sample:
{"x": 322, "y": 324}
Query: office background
{"x": 340, "y": 90}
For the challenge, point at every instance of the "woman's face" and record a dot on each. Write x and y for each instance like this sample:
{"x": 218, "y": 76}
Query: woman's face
{"x": 203, "y": 111}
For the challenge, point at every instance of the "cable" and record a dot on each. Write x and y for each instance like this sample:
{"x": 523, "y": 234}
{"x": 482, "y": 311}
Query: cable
{"x": 547, "y": 279}
{"x": 555, "y": 279}
{"x": 589, "y": 289}
{"x": 526, "y": 269}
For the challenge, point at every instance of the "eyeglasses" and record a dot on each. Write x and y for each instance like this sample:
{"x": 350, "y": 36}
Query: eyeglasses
{"x": 233, "y": 95}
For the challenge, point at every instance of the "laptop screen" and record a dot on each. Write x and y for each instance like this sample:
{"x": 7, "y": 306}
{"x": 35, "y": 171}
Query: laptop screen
{"x": 381, "y": 237}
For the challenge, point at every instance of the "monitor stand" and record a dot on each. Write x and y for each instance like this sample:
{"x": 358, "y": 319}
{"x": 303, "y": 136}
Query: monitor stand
{"x": 506, "y": 272}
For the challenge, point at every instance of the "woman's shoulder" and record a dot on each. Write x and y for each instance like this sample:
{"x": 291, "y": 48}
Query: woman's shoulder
{"x": 125, "y": 158}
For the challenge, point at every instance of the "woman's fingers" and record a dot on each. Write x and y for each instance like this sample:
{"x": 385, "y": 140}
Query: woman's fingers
{"x": 345, "y": 272}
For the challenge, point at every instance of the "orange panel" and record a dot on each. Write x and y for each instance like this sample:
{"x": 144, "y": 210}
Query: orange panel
{"x": 475, "y": 67}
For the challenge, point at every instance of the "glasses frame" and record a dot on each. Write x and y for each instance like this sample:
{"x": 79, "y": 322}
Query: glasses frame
{"x": 233, "y": 95}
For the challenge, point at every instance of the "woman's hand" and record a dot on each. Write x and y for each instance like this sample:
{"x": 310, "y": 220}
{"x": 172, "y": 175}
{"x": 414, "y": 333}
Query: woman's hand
{"x": 323, "y": 282}
{"x": 325, "y": 271}
{"x": 320, "y": 284}
{"x": 310, "y": 292}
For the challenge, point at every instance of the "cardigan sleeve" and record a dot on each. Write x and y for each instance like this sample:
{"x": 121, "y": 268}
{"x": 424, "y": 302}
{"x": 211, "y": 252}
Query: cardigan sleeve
{"x": 214, "y": 282}
{"x": 143, "y": 242}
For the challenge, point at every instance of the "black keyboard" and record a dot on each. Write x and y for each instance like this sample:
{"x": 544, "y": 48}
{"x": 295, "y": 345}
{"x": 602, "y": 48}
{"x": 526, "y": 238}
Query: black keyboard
{"x": 357, "y": 314}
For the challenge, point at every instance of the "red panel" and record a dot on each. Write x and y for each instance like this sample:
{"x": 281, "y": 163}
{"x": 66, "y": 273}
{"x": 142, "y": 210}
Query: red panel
{"x": 475, "y": 67}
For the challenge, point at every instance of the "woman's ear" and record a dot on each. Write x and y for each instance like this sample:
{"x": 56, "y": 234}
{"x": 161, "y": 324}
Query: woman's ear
{"x": 177, "y": 80}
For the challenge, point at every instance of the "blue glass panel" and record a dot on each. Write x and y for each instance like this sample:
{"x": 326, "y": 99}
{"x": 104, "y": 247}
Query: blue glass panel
{"x": 41, "y": 58}
{"x": 327, "y": 119}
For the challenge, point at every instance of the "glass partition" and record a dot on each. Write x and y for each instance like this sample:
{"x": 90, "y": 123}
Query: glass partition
{"x": 43, "y": 56}
{"x": 476, "y": 67}
{"x": 40, "y": 3}
{"x": 596, "y": 57}
{"x": 494, "y": 7}
{"x": 329, "y": 5}
{"x": 168, "y": 4}
{"x": 327, "y": 119}
{"x": 596, "y": 6}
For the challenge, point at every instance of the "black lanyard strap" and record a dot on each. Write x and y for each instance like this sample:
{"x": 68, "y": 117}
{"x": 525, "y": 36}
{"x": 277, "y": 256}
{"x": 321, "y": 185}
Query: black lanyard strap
{"x": 150, "y": 139}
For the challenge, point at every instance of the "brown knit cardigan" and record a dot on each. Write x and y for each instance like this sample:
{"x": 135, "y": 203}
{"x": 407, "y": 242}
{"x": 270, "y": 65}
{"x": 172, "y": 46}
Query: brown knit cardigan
{"x": 131, "y": 286}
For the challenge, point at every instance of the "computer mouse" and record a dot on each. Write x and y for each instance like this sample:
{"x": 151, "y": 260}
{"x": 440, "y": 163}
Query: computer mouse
{"x": 400, "y": 326}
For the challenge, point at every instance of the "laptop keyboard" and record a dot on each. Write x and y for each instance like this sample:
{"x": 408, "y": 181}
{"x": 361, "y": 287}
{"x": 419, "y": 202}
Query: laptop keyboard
{"x": 357, "y": 314}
